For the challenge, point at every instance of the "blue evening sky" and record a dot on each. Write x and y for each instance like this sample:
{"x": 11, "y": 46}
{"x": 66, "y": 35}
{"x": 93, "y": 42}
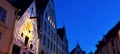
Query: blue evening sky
{"x": 86, "y": 21}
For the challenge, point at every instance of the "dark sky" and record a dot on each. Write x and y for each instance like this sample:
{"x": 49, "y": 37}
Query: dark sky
{"x": 86, "y": 21}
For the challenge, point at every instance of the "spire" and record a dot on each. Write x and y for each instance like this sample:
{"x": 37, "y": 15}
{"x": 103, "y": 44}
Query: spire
{"x": 78, "y": 46}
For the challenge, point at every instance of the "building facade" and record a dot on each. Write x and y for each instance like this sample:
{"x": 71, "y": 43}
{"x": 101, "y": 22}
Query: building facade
{"x": 77, "y": 50}
{"x": 25, "y": 36}
{"x": 62, "y": 42}
{"x": 7, "y": 21}
{"x": 48, "y": 31}
{"x": 110, "y": 44}
{"x": 30, "y": 28}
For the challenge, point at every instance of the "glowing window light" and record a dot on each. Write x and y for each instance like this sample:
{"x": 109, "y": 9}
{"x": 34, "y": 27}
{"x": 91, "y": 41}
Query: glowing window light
{"x": 52, "y": 23}
{"x": 48, "y": 18}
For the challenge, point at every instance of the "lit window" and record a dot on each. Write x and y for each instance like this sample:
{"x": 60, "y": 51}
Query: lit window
{"x": 2, "y": 14}
{"x": 48, "y": 18}
{"x": 54, "y": 25}
{"x": 50, "y": 21}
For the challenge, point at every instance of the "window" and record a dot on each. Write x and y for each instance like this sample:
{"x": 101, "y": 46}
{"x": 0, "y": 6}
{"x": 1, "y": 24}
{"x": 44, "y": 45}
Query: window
{"x": 26, "y": 40}
{"x": 54, "y": 48}
{"x": 51, "y": 45}
{"x": 48, "y": 43}
{"x": 51, "y": 33}
{"x": 49, "y": 30}
{"x": 48, "y": 18}
{"x": 31, "y": 46}
{"x": 54, "y": 36}
{"x": 45, "y": 25}
{"x": 44, "y": 39}
{"x": 2, "y": 14}
{"x": 21, "y": 34}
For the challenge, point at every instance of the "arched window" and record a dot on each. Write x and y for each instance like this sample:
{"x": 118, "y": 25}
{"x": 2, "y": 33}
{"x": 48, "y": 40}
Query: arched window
{"x": 26, "y": 40}
{"x": 2, "y": 14}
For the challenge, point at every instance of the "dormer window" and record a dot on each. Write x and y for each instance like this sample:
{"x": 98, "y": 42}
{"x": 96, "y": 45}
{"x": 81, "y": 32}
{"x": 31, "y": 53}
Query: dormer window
{"x": 2, "y": 14}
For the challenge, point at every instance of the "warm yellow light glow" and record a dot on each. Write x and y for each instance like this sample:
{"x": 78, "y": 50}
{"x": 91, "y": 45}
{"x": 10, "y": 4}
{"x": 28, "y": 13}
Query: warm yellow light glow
{"x": 26, "y": 28}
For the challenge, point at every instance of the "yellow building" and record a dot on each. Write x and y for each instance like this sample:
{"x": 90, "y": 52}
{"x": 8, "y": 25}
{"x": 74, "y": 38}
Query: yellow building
{"x": 25, "y": 39}
{"x": 7, "y": 21}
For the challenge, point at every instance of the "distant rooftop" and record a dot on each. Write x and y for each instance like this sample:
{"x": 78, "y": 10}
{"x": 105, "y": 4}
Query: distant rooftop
{"x": 112, "y": 33}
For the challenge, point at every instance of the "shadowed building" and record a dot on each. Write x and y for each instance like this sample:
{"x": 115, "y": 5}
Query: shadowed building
{"x": 110, "y": 44}
{"x": 47, "y": 29}
{"x": 47, "y": 26}
{"x": 7, "y": 21}
{"x": 77, "y": 50}
{"x": 62, "y": 42}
